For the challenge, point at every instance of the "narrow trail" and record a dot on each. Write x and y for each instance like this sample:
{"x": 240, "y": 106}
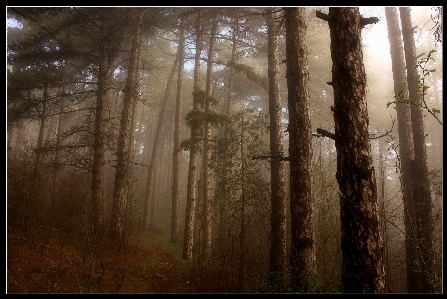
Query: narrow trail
{"x": 168, "y": 279}
{"x": 45, "y": 261}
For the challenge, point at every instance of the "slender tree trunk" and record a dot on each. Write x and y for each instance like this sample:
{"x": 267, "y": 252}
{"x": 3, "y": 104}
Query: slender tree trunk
{"x": 405, "y": 138}
{"x": 53, "y": 200}
{"x": 361, "y": 241}
{"x": 50, "y": 131}
{"x": 38, "y": 201}
{"x": 120, "y": 191}
{"x": 223, "y": 172}
{"x": 278, "y": 198}
{"x": 206, "y": 217}
{"x": 21, "y": 133}
{"x": 231, "y": 70}
{"x": 423, "y": 261}
{"x": 383, "y": 211}
{"x": 191, "y": 196}
{"x": 176, "y": 151}
{"x": 149, "y": 203}
{"x": 302, "y": 253}
{"x": 241, "y": 272}
{"x": 39, "y": 148}
{"x": 98, "y": 169}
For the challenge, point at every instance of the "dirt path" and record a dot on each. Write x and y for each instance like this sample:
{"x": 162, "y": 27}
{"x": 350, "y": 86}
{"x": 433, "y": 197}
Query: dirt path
{"x": 169, "y": 278}
{"x": 47, "y": 262}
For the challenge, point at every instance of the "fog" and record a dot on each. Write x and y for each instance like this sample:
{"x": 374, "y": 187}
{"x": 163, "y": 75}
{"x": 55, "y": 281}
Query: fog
{"x": 52, "y": 103}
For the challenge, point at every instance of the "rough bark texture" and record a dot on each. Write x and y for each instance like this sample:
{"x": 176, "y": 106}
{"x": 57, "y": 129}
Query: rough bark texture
{"x": 405, "y": 137}
{"x": 120, "y": 190}
{"x": 278, "y": 199}
{"x": 302, "y": 253}
{"x": 361, "y": 242}
{"x": 422, "y": 261}
{"x": 175, "y": 155}
{"x": 206, "y": 220}
{"x": 192, "y": 171}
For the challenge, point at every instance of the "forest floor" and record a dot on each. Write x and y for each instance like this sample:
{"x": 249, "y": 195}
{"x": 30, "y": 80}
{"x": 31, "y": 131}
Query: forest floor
{"x": 49, "y": 261}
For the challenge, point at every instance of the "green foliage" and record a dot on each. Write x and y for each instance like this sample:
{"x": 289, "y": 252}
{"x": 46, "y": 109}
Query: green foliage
{"x": 421, "y": 87}
{"x": 198, "y": 117}
{"x": 252, "y": 75}
{"x": 187, "y": 144}
{"x": 199, "y": 96}
{"x": 195, "y": 118}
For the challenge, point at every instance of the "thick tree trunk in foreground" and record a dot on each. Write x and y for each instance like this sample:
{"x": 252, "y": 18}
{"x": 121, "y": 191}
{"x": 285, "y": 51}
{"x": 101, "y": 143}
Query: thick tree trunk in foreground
{"x": 302, "y": 253}
{"x": 361, "y": 242}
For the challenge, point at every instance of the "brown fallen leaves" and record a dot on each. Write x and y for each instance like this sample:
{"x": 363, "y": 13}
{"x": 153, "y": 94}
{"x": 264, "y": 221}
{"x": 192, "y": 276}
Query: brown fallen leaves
{"x": 49, "y": 261}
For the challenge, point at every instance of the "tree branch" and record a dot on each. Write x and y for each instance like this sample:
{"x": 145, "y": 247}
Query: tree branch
{"x": 366, "y": 21}
{"x": 322, "y": 16}
{"x": 326, "y": 133}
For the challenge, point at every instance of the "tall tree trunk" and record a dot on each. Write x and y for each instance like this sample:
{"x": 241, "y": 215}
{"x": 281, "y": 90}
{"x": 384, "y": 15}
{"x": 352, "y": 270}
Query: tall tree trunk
{"x": 120, "y": 191}
{"x": 149, "y": 202}
{"x": 39, "y": 149}
{"x": 422, "y": 261}
{"x": 241, "y": 272}
{"x": 191, "y": 196}
{"x": 383, "y": 210}
{"x": 222, "y": 174}
{"x": 361, "y": 241}
{"x": 231, "y": 71}
{"x": 405, "y": 138}
{"x": 98, "y": 169}
{"x": 278, "y": 198}
{"x": 176, "y": 151}
{"x": 38, "y": 205}
{"x": 302, "y": 253}
{"x": 206, "y": 216}
{"x": 53, "y": 200}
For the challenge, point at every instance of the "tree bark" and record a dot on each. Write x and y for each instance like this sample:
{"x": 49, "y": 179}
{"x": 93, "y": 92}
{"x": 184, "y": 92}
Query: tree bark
{"x": 242, "y": 233}
{"x": 176, "y": 152}
{"x": 361, "y": 241}
{"x": 405, "y": 138}
{"x": 278, "y": 198}
{"x": 302, "y": 252}
{"x": 206, "y": 216}
{"x": 38, "y": 203}
{"x": 120, "y": 191}
{"x": 191, "y": 196}
{"x": 98, "y": 169}
{"x": 422, "y": 261}
{"x": 60, "y": 121}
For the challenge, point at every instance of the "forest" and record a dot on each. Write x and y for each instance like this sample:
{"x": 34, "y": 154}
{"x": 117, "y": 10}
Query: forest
{"x": 224, "y": 149}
